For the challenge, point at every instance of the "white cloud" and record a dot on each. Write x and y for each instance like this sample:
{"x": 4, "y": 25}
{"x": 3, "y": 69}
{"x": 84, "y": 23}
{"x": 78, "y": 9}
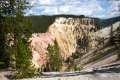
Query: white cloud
{"x": 44, "y": 1}
{"x": 71, "y": 2}
{"x": 114, "y": 9}
{"x": 49, "y": 10}
{"x": 88, "y": 8}
{"x": 76, "y": 7}
{"x": 64, "y": 9}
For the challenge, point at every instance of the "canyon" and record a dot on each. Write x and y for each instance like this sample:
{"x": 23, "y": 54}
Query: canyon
{"x": 82, "y": 41}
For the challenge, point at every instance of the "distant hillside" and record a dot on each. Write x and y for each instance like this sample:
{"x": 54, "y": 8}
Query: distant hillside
{"x": 41, "y": 23}
{"x": 108, "y": 22}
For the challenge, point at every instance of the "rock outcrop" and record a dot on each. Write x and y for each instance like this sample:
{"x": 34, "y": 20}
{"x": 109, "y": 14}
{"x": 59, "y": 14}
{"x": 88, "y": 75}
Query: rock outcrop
{"x": 38, "y": 45}
{"x": 106, "y": 52}
{"x": 71, "y": 33}
{"x": 80, "y": 37}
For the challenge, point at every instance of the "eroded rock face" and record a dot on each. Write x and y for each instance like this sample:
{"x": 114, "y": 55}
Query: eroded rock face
{"x": 73, "y": 33}
{"x": 64, "y": 36}
{"x": 38, "y": 45}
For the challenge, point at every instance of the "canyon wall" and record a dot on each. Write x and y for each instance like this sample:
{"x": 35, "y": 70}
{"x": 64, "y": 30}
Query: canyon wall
{"x": 73, "y": 33}
{"x": 39, "y": 44}
{"x": 80, "y": 37}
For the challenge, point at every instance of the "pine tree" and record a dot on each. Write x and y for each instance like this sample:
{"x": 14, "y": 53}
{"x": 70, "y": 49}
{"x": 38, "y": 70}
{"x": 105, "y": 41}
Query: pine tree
{"x": 14, "y": 22}
{"x": 54, "y": 62}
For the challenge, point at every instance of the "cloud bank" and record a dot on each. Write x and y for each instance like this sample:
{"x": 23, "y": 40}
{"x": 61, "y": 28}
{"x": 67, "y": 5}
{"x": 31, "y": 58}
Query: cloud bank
{"x": 94, "y": 8}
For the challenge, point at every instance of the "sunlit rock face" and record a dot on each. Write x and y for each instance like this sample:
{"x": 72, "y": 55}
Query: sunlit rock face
{"x": 38, "y": 45}
{"x": 106, "y": 51}
{"x": 73, "y": 34}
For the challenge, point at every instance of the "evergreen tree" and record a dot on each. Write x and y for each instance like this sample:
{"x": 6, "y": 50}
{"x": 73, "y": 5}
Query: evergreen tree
{"x": 54, "y": 61}
{"x": 13, "y": 22}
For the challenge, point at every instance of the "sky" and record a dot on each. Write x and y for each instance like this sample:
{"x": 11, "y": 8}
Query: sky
{"x": 92, "y": 8}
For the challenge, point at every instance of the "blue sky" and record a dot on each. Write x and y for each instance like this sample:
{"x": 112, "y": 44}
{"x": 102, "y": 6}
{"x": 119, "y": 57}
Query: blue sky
{"x": 94, "y": 8}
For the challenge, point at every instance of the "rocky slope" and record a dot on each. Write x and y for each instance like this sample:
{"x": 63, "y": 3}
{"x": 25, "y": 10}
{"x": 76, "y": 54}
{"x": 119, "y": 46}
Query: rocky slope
{"x": 38, "y": 45}
{"x": 71, "y": 33}
{"x": 83, "y": 41}
{"x": 107, "y": 52}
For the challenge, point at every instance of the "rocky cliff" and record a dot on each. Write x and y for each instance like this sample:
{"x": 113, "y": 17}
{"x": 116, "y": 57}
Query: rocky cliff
{"x": 106, "y": 51}
{"x": 83, "y": 41}
{"x": 73, "y": 33}
{"x": 38, "y": 45}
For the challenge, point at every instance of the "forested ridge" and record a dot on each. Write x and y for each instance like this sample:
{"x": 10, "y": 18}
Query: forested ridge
{"x": 44, "y": 20}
